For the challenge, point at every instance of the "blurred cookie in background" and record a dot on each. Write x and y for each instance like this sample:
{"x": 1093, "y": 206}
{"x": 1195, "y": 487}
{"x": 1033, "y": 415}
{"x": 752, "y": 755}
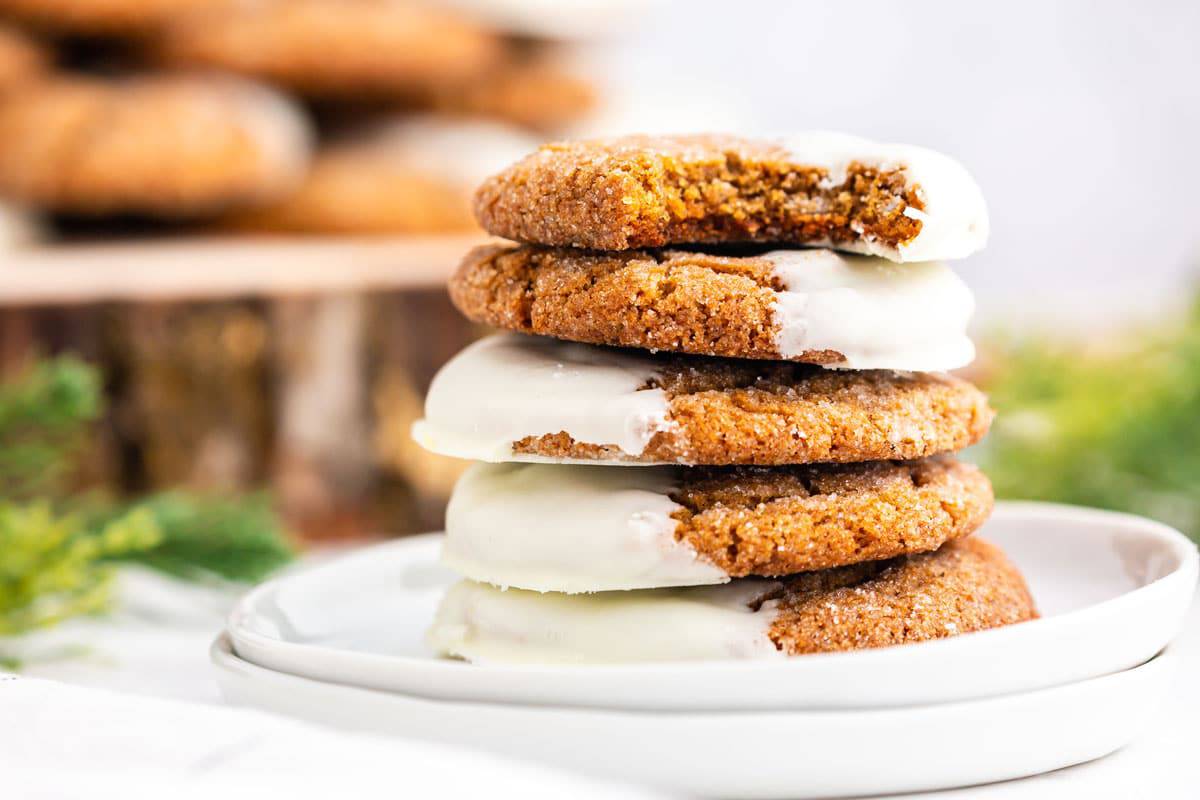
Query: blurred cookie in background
{"x": 561, "y": 20}
{"x": 342, "y": 49}
{"x": 22, "y": 61}
{"x": 410, "y": 175}
{"x": 537, "y": 90}
{"x": 22, "y": 58}
{"x": 536, "y": 85}
{"x": 154, "y": 146}
{"x": 100, "y": 17}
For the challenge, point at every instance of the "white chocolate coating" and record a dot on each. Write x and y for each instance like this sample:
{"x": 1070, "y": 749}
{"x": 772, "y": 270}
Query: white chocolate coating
{"x": 954, "y": 223}
{"x": 488, "y": 625}
{"x": 504, "y": 388}
{"x": 879, "y": 315}
{"x": 561, "y": 528}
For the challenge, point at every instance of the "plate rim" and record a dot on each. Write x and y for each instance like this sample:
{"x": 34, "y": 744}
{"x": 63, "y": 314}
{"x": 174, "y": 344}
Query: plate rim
{"x": 1189, "y": 558}
{"x": 223, "y": 655}
{"x": 558, "y": 735}
{"x": 447, "y": 677}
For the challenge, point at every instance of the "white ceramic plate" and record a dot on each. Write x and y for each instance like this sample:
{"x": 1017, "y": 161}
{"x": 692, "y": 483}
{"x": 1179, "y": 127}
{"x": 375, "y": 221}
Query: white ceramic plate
{"x": 750, "y": 753}
{"x": 1113, "y": 590}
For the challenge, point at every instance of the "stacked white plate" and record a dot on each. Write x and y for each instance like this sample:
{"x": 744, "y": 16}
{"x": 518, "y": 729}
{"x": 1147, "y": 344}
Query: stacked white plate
{"x": 341, "y": 643}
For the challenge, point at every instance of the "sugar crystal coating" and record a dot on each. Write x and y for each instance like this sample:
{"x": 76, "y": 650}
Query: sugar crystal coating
{"x": 783, "y": 520}
{"x": 814, "y": 188}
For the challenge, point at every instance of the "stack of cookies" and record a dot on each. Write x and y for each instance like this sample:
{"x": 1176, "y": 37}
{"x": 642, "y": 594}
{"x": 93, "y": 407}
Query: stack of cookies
{"x": 722, "y": 426}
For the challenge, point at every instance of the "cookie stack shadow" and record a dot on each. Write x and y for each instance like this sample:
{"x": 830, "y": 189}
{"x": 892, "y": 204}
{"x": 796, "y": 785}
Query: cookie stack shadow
{"x": 721, "y": 424}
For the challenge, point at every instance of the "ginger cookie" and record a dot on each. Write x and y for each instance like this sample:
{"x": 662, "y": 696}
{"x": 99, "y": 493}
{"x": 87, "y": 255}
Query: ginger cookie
{"x": 533, "y": 85}
{"x": 564, "y": 528}
{"x": 524, "y": 398}
{"x": 102, "y": 17}
{"x": 900, "y": 202}
{"x": 341, "y": 49}
{"x": 964, "y": 587}
{"x": 409, "y": 175}
{"x": 537, "y": 20}
{"x": 537, "y": 93}
{"x": 176, "y": 146}
{"x": 814, "y": 306}
{"x": 22, "y": 59}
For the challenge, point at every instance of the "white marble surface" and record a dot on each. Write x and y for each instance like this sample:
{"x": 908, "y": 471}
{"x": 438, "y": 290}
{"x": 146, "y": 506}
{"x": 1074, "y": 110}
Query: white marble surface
{"x": 158, "y": 647}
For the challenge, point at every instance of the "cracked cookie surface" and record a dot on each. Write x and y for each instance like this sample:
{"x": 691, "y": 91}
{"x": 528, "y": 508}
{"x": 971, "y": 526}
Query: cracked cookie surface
{"x": 747, "y": 412}
{"x": 813, "y": 306}
{"x": 653, "y": 191}
{"x": 654, "y": 300}
{"x": 964, "y": 587}
{"x": 783, "y": 520}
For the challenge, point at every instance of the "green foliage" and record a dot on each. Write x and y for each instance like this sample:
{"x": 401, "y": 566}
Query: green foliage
{"x": 43, "y": 424}
{"x": 237, "y": 538}
{"x": 54, "y": 566}
{"x": 1114, "y": 429}
{"x": 57, "y": 552}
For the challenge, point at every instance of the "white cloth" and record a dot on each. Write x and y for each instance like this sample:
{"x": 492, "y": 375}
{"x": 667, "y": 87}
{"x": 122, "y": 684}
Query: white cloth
{"x": 61, "y": 741}
{"x": 155, "y": 643}
{"x": 87, "y": 717}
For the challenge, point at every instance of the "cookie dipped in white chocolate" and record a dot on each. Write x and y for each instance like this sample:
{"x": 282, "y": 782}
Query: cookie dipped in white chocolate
{"x": 690, "y": 409}
{"x": 877, "y": 314}
{"x": 505, "y": 388}
{"x": 954, "y": 221}
{"x": 485, "y": 624}
{"x": 565, "y": 528}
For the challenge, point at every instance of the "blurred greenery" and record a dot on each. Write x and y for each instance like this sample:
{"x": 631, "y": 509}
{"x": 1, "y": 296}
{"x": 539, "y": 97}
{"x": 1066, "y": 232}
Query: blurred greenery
{"x": 1112, "y": 425}
{"x": 58, "y": 547}
{"x": 238, "y": 538}
{"x": 54, "y": 566}
{"x": 44, "y": 421}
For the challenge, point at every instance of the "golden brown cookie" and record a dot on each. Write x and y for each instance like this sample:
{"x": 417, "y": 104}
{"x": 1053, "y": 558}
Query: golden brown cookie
{"x": 334, "y": 48}
{"x": 178, "y": 146}
{"x": 535, "y": 93}
{"x": 352, "y": 193}
{"x": 964, "y": 587}
{"x": 734, "y": 412}
{"x": 531, "y": 398}
{"x": 101, "y": 17}
{"x": 905, "y": 203}
{"x": 741, "y": 306}
{"x": 533, "y": 86}
{"x": 782, "y": 520}
{"x": 22, "y": 59}
{"x": 410, "y": 176}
